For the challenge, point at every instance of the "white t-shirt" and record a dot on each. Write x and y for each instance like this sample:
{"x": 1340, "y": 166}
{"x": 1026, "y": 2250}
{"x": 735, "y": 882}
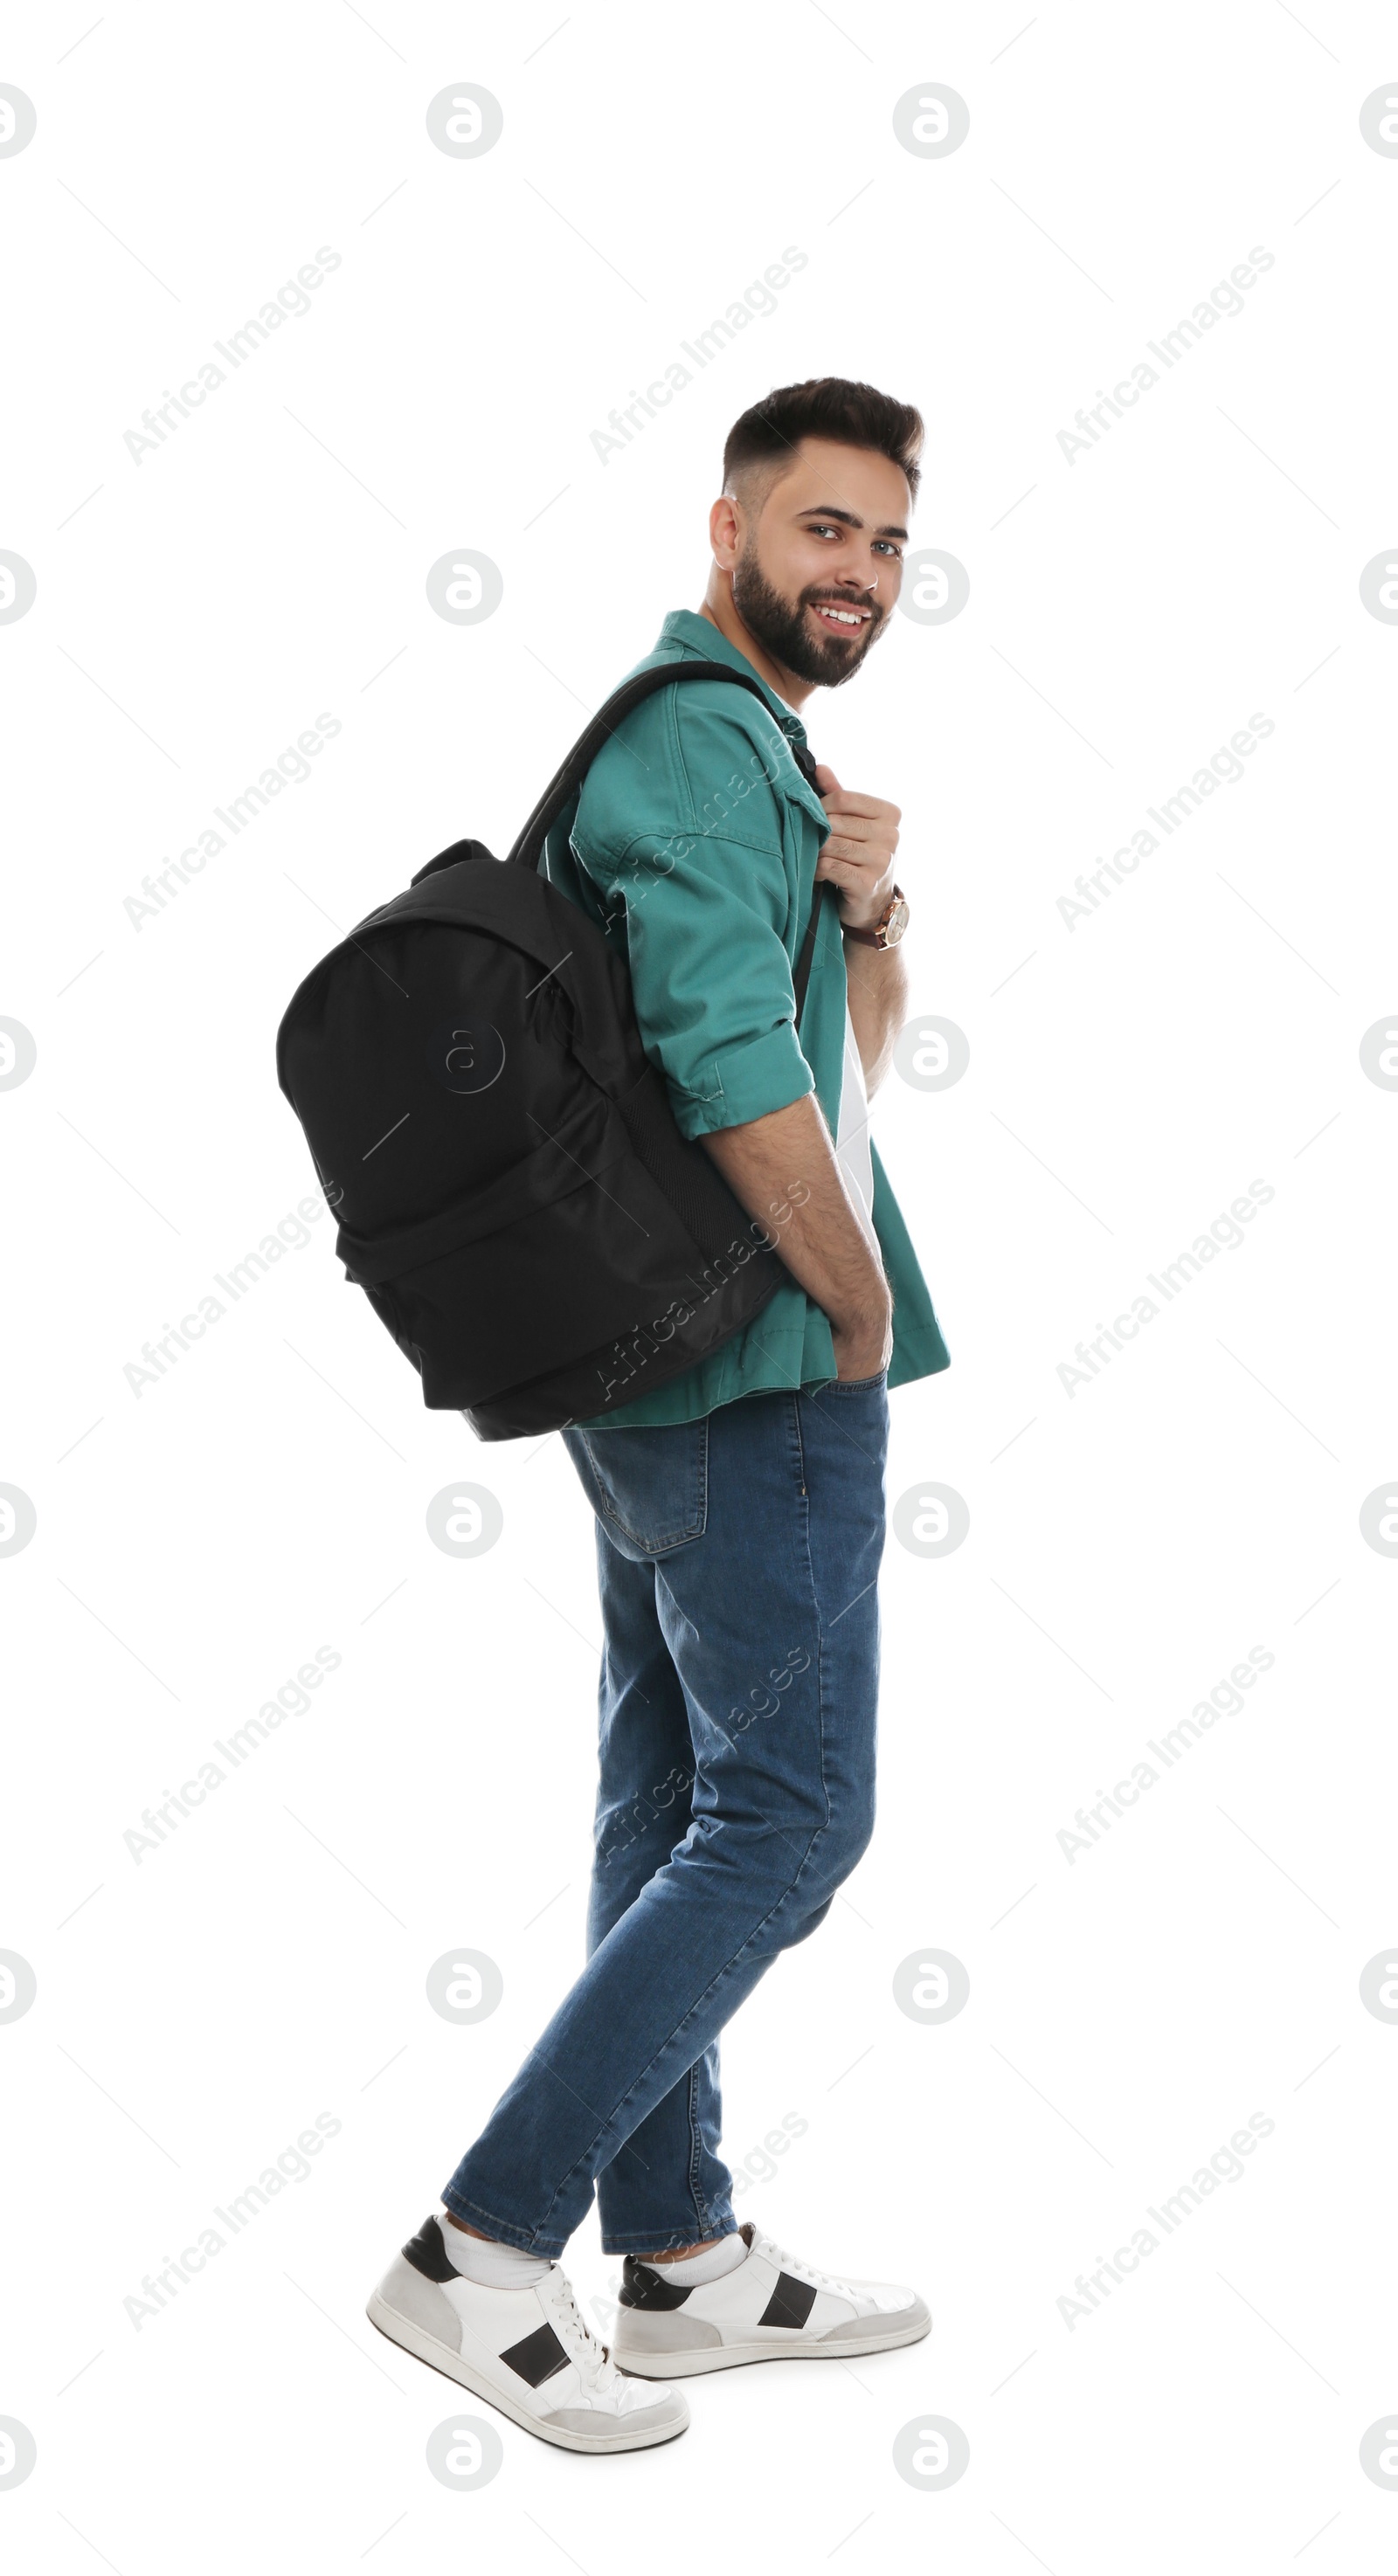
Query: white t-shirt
{"x": 852, "y": 1136}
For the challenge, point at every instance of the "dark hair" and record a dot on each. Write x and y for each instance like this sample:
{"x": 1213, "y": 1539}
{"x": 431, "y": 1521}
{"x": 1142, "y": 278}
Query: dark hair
{"x": 825, "y": 407}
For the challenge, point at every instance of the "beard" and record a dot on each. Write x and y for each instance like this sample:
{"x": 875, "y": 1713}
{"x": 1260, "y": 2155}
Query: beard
{"x": 779, "y": 624}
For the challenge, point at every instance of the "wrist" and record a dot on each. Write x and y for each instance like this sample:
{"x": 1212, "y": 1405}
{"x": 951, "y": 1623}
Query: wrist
{"x": 866, "y": 912}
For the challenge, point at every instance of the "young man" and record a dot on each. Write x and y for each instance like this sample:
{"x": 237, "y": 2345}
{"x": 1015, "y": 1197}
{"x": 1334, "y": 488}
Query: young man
{"x": 739, "y": 1508}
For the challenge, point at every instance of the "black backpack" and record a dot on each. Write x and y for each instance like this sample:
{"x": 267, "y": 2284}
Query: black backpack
{"x": 515, "y": 1198}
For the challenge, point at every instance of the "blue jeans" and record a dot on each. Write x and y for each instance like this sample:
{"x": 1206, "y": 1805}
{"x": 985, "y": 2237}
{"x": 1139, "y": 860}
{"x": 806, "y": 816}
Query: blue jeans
{"x": 738, "y": 1562}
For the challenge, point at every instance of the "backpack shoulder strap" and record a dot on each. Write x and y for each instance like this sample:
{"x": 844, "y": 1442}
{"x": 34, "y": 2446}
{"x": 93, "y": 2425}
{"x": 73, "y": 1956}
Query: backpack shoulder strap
{"x": 568, "y": 778}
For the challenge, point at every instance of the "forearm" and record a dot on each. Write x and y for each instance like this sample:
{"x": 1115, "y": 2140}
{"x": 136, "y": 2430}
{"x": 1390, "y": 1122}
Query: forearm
{"x": 878, "y": 1005}
{"x": 784, "y": 1170}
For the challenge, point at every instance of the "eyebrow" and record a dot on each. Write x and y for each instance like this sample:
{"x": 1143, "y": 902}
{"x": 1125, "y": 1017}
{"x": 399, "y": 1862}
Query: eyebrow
{"x": 849, "y": 519}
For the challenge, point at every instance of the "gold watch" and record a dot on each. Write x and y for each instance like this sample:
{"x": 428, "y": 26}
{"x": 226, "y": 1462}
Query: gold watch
{"x": 889, "y": 929}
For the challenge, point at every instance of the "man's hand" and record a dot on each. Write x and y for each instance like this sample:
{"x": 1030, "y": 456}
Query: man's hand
{"x": 862, "y": 1351}
{"x": 857, "y": 854}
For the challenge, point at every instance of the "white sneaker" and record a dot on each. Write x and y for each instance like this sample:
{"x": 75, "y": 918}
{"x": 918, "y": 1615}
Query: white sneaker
{"x": 772, "y": 2307}
{"x": 526, "y": 2351}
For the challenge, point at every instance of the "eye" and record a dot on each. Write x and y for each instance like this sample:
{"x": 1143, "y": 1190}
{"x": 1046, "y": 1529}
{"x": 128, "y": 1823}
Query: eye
{"x": 826, "y": 528}
{"x": 887, "y": 546}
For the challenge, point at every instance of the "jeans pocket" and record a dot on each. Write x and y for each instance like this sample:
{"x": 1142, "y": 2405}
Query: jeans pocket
{"x": 649, "y": 1487}
{"x": 859, "y": 1385}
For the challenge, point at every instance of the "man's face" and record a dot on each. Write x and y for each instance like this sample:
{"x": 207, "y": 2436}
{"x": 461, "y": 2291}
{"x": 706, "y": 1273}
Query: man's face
{"x": 819, "y": 564}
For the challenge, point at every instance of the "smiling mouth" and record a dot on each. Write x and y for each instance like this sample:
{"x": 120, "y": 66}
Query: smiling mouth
{"x": 841, "y": 620}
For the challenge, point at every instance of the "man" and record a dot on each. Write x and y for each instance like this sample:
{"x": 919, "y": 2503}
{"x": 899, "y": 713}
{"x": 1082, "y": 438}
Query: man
{"x": 740, "y": 1507}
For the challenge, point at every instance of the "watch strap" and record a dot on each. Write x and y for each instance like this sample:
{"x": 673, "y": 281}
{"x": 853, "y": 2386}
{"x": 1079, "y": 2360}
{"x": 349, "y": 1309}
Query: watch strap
{"x": 875, "y": 938}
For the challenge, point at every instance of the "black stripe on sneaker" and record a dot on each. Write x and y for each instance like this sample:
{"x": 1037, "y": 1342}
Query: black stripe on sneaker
{"x": 537, "y": 2358}
{"x": 427, "y": 2252}
{"x": 643, "y": 2288}
{"x": 790, "y": 2303}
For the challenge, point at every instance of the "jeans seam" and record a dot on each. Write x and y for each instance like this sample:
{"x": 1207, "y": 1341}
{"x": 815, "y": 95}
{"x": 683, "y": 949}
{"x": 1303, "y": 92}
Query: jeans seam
{"x": 821, "y": 1640}
{"x": 696, "y": 2154}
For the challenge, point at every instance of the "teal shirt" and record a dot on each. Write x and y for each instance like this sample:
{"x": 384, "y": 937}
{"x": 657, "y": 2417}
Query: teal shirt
{"x": 693, "y": 845}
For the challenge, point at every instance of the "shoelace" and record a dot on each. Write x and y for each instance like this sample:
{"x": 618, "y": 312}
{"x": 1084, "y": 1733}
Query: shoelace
{"x": 805, "y": 2271}
{"x": 595, "y": 2364}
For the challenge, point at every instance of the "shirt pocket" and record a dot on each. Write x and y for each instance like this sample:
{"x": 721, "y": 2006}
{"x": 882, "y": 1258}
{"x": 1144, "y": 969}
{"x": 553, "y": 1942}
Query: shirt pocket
{"x": 649, "y": 1486}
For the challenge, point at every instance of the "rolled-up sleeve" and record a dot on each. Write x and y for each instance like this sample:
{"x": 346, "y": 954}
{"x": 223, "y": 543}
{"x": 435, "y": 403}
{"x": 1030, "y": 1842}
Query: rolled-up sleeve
{"x": 710, "y": 974}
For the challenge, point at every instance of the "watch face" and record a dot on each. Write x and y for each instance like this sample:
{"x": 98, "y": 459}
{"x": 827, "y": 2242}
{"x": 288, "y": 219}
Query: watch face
{"x": 897, "y": 922}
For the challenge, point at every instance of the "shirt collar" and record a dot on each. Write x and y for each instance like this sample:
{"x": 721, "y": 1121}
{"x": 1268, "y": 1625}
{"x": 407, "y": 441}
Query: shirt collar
{"x": 685, "y": 626}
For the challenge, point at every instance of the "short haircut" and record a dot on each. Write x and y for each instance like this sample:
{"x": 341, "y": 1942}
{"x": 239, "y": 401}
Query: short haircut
{"x": 830, "y": 407}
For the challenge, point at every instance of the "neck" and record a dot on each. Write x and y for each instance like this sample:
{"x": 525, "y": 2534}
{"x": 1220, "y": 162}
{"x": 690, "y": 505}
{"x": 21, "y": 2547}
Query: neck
{"x": 717, "y": 606}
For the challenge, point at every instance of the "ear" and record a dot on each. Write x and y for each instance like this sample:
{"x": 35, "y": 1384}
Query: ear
{"x": 725, "y": 531}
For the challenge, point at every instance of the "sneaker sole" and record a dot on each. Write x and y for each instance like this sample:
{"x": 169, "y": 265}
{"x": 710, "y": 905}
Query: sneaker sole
{"x": 438, "y": 2356}
{"x": 687, "y": 2365}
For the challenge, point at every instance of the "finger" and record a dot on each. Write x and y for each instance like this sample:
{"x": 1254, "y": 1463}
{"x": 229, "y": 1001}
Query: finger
{"x": 849, "y": 800}
{"x": 870, "y": 832}
{"x": 847, "y": 869}
{"x": 827, "y": 783}
{"x": 853, "y": 854}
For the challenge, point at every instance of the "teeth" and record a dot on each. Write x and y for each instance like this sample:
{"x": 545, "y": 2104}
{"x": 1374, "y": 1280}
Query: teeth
{"x": 846, "y": 616}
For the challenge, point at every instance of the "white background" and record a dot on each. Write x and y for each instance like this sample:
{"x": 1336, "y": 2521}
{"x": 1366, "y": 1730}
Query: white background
{"x": 1128, "y": 1078}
